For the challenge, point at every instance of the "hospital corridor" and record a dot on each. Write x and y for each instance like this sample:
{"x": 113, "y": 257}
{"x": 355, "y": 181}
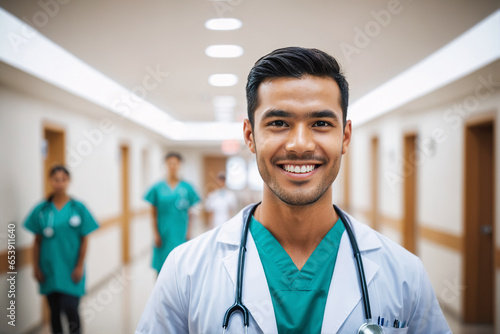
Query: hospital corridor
{"x": 135, "y": 137}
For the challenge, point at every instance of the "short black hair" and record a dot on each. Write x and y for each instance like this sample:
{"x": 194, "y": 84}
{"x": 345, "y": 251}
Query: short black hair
{"x": 58, "y": 168}
{"x": 173, "y": 155}
{"x": 294, "y": 62}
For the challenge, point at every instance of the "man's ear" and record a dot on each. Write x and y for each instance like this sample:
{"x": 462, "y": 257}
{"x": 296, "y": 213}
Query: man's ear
{"x": 248, "y": 135}
{"x": 347, "y": 136}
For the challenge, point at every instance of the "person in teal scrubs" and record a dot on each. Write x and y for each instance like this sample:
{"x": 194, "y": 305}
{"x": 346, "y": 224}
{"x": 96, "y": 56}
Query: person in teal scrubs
{"x": 61, "y": 225}
{"x": 171, "y": 200}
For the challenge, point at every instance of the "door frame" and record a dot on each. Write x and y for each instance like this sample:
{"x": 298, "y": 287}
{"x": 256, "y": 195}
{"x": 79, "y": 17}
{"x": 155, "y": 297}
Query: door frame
{"x": 125, "y": 200}
{"x": 375, "y": 154}
{"x": 346, "y": 160}
{"x": 410, "y": 186}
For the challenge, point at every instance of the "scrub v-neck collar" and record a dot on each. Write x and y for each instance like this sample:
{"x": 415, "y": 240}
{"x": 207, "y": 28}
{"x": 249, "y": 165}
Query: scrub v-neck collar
{"x": 297, "y": 279}
{"x": 172, "y": 188}
{"x": 62, "y": 208}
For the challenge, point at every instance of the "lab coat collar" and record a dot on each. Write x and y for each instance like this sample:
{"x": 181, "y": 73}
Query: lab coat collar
{"x": 345, "y": 293}
{"x": 344, "y": 285}
{"x": 230, "y": 232}
{"x": 255, "y": 295}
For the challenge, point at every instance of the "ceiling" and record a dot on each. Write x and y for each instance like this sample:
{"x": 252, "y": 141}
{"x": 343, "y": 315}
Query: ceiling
{"x": 122, "y": 39}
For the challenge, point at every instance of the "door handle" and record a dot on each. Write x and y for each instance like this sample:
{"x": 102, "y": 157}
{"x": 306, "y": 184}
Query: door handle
{"x": 486, "y": 229}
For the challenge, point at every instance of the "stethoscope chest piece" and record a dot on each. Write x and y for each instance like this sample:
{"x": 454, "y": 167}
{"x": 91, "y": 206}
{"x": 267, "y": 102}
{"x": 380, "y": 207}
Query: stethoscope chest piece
{"x": 75, "y": 221}
{"x": 48, "y": 232}
{"x": 367, "y": 328}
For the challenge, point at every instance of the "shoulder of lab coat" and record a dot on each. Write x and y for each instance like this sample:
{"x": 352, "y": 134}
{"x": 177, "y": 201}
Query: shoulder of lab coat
{"x": 196, "y": 286}
{"x": 178, "y": 303}
{"x": 398, "y": 285}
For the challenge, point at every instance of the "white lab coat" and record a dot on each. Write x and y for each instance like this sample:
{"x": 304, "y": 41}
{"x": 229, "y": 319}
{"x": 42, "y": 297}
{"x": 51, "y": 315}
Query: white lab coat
{"x": 222, "y": 203}
{"x": 197, "y": 285}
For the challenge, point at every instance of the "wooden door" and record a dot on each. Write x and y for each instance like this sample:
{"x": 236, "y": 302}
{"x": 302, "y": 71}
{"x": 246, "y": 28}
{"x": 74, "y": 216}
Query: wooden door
{"x": 124, "y": 166}
{"x": 374, "y": 182}
{"x": 53, "y": 143}
{"x": 212, "y": 166}
{"x": 410, "y": 192}
{"x": 478, "y": 225}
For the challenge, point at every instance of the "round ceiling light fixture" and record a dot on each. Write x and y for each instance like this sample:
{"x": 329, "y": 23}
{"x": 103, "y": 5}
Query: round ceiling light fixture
{"x": 224, "y": 51}
{"x": 223, "y": 24}
{"x": 223, "y": 80}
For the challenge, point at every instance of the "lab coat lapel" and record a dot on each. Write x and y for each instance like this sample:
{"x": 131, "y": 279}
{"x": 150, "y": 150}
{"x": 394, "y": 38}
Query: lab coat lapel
{"x": 345, "y": 293}
{"x": 256, "y": 296}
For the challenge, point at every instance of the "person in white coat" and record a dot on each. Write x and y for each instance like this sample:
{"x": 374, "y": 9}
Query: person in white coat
{"x": 221, "y": 203}
{"x": 299, "y": 273}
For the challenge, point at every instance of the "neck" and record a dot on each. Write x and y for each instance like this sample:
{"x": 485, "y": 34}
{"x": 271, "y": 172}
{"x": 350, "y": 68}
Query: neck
{"x": 299, "y": 229}
{"x": 173, "y": 179}
{"x": 60, "y": 197}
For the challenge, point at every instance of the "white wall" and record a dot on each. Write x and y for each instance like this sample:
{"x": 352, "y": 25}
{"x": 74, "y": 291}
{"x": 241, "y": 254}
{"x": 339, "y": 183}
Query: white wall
{"x": 95, "y": 181}
{"x": 439, "y": 173}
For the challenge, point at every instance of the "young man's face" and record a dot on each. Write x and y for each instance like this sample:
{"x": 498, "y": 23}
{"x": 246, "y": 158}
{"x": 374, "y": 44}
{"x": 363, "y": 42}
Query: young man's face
{"x": 298, "y": 137}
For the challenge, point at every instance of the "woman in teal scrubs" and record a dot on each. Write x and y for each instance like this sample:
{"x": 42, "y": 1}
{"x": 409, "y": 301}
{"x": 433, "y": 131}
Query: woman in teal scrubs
{"x": 61, "y": 225}
{"x": 171, "y": 200}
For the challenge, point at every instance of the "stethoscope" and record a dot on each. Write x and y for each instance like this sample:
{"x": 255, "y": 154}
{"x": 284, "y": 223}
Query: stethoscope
{"x": 48, "y": 229}
{"x": 367, "y": 328}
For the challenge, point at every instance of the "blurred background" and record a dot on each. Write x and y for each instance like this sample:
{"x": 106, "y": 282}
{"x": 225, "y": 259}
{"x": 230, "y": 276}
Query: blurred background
{"x": 108, "y": 87}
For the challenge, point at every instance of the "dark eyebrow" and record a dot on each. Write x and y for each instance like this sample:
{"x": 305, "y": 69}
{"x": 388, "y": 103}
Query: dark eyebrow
{"x": 323, "y": 114}
{"x": 277, "y": 113}
{"x": 271, "y": 113}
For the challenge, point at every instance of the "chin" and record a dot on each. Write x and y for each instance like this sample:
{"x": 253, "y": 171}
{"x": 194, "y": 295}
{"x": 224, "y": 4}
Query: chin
{"x": 298, "y": 197}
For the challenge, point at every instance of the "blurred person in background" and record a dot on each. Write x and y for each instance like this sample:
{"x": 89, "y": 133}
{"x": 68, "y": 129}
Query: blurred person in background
{"x": 171, "y": 199}
{"x": 221, "y": 204}
{"x": 61, "y": 225}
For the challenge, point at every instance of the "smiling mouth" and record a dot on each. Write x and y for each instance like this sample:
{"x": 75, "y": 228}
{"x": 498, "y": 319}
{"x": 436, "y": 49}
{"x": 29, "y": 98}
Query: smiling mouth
{"x": 299, "y": 169}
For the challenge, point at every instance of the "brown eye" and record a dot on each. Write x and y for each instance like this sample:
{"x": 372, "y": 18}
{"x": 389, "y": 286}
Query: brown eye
{"x": 321, "y": 124}
{"x": 278, "y": 123}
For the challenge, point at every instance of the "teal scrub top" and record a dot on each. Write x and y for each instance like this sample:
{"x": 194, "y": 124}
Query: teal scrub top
{"x": 298, "y": 296}
{"x": 173, "y": 215}
{"x": 59, "y": 253}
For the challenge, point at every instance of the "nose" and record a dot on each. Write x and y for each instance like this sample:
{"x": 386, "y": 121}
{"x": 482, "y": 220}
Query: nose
{"x": 300, "y": 140}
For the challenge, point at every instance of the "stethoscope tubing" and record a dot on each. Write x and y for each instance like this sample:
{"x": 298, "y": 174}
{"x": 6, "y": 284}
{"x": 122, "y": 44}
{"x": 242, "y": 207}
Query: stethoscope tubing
{"x": 238, "y": 305}
{"x": 359, "y": 264}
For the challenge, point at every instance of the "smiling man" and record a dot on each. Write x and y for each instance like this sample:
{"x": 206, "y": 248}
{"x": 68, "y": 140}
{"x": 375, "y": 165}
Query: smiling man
{"x": 289, "y": 259}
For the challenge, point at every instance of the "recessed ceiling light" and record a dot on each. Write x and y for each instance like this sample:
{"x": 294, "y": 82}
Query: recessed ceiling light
{"x": 224, "y": 101}
{"x": 223, "y": 24}
{"x": 223, "y": 80}
{"x": 224, "y": 51}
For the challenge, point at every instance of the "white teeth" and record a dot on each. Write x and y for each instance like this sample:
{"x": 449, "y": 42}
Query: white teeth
{"x": 298, "y": 169}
